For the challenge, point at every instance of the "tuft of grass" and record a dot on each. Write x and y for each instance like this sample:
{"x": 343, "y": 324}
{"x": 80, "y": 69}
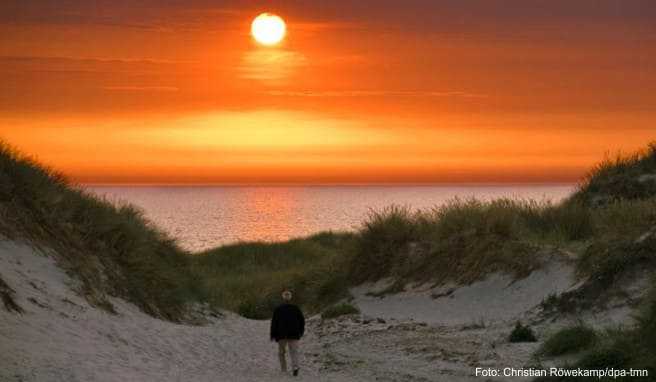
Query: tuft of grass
{"x": 569, "y": 340}
{"x": 624, "y": 218}
{"x": 608, "y": 261}
{"x": 339, "y": 310}
{"x": 522, "y": 333}
{"x": 383, "y": 239}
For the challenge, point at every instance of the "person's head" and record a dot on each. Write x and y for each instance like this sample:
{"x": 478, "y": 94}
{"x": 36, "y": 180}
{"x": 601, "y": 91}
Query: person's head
{"x": 286, "y": 295}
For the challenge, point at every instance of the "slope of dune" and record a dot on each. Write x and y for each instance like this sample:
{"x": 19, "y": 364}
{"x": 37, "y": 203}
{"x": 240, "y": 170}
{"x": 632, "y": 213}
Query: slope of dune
{"x": 418, "y": 335}
{"x": 499, "y": 297}
{"x": 60, "y": 337}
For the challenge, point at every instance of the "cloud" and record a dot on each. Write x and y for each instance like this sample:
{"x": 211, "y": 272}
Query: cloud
{"x": 322, "y": 26}
{"x": 59, "y": 59}
{"x": 154, "y": 15}
{"x": 372, "y": 93}
{"x": 93, "y": 65}
{"x": 270, "y": 65}
{"x": 142, "y": 88}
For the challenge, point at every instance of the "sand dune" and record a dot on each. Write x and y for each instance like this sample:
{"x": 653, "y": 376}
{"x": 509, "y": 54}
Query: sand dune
{"x": 423, "y": 334}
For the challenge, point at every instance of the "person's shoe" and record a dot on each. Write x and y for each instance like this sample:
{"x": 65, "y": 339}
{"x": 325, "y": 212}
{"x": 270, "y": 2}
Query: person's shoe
{"x": 295, "y": 373}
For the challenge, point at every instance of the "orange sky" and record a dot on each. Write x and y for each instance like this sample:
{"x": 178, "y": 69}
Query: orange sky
{"x": 449, "y": 91}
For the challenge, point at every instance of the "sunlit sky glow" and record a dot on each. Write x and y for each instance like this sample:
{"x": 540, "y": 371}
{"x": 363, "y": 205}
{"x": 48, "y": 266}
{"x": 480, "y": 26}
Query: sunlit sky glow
{"x": 423, "y": 92}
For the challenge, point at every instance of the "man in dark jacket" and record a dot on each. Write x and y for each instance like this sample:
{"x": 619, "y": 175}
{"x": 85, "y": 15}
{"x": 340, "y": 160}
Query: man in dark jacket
{"x": 287, "y": 327}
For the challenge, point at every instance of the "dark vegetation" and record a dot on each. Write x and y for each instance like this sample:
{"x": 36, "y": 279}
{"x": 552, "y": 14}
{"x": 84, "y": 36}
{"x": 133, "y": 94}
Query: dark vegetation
{"x": 249, "y": 277}
{"x": 522, "y": 333}
{"x": 463, "y": 240}
{"x": 625, "y": 177}
{"x": 569, "y": 340}
{"x": 620, "y": 349}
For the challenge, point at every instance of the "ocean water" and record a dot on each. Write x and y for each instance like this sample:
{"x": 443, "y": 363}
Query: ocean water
{"x": 204, "y": 217}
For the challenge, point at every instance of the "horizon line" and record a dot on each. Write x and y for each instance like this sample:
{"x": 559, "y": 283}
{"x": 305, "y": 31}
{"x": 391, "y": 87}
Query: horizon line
{"x": 293, "y": 184}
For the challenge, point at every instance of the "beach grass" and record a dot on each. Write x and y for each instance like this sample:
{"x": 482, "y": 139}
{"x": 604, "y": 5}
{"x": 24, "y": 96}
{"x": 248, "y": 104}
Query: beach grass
{"x": 464, "y": 239}
{"x": 620, "y": 177}
{"x": 249, "y": 277}
{"x": 569, "y": 340}
{"x": 620, "y": 194}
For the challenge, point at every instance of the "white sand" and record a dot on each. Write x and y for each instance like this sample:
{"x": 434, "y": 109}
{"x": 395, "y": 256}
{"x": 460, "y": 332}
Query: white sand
{"x": 418, "y": 338}
{"x": 497, "y": 298}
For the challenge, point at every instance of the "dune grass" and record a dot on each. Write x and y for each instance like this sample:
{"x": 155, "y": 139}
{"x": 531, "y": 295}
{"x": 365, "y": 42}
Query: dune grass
{"x": 623, "y": 177}
{"x": 249, "y": 277}
{"x": 620, "y": 194}
{"x": 464, "y": 240}
{"x": 610, "y": 221}
{"x": 111, "y": 250}
{"x": 629, "y": 348}
{"x": 569, "y": 340}
{"x": 633, "y": 348}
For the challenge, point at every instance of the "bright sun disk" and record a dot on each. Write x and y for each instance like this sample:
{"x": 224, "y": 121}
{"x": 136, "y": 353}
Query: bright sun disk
{"x": 268, "y": 29}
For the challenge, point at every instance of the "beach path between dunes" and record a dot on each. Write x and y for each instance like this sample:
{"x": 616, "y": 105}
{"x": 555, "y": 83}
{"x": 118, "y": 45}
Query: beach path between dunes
{"x": 422, "y": 335}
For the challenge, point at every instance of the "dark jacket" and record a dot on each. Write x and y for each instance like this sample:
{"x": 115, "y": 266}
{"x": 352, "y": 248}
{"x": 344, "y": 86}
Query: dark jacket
{"x": 287, "y": 323}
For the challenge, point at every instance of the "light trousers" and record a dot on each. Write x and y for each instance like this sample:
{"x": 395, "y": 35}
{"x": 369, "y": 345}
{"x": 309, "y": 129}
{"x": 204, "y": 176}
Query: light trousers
{"x": 292, "y": 345}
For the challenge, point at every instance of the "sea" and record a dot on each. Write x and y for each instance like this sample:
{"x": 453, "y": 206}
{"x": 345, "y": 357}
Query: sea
{"x": 204, "y": 217}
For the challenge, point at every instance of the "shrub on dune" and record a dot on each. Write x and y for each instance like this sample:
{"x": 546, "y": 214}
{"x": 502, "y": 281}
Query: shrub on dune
{"x": 569, "y": 340}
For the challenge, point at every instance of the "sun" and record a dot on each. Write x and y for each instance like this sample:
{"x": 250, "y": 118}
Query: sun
{"x": 268, "y": 29}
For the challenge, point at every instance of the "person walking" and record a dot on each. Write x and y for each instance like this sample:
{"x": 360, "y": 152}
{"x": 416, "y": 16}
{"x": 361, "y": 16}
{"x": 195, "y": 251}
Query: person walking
{"x": 287, "y": 328}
